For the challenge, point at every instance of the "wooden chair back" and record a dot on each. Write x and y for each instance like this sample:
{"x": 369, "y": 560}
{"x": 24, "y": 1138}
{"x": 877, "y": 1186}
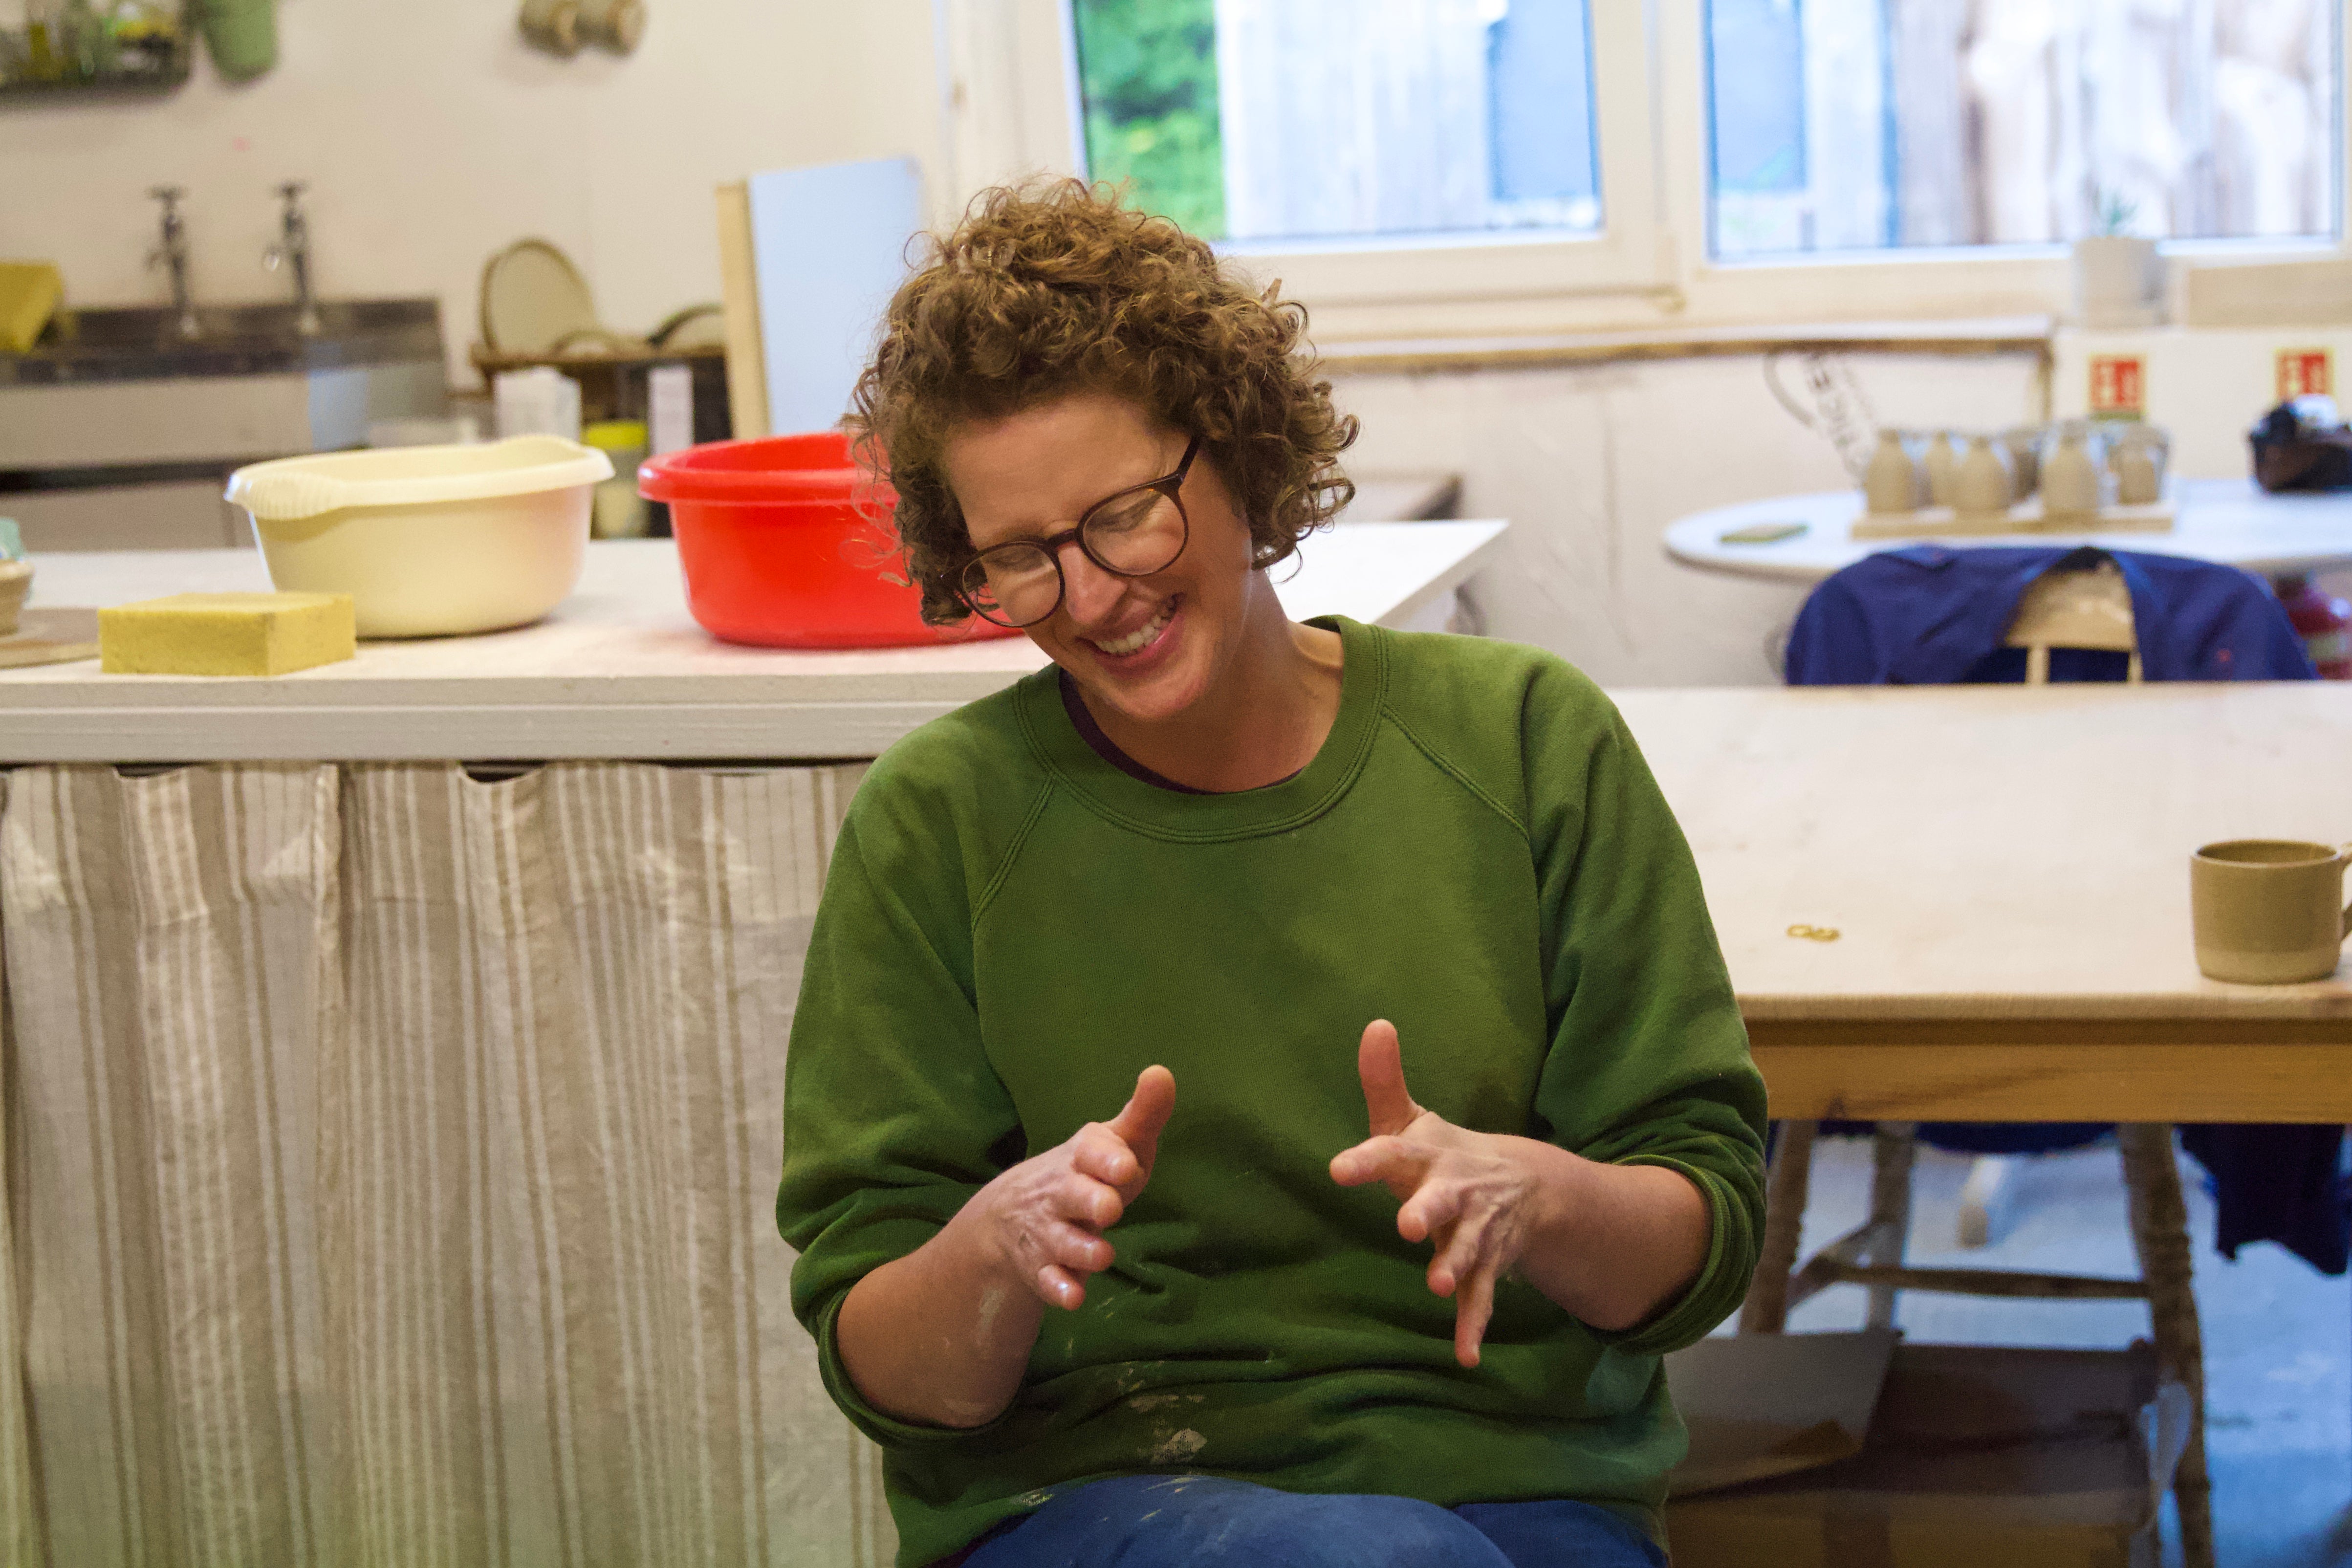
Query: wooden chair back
{"x": 2090, "y": 609}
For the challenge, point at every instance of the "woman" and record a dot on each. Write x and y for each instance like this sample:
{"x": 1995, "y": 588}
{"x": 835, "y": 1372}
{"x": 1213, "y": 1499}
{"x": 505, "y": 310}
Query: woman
{"x": 1260, "y": 1087}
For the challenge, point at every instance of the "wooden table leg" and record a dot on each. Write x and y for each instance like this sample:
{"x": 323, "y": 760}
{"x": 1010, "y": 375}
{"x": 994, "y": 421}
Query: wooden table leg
{"x": 1893, "y": 1146}
{"x": 1767, "y": 1308}
{"x": 2159, "y": 1222}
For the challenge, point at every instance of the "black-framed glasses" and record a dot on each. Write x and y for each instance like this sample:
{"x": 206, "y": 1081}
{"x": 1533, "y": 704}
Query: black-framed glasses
{"x": 1133, "y": 533}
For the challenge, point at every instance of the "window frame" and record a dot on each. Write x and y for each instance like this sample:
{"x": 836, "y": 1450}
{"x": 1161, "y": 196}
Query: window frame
{"x": 1009, "y": 76}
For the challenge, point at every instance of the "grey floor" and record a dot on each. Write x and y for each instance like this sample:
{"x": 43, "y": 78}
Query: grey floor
{"x": 2278, "y": 1335}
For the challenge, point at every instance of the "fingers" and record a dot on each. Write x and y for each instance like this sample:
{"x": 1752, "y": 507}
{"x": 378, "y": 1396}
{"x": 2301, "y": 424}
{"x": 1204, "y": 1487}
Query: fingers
{"x": 1063, "y": 1255}
{"x": 1099, "y": 1153}
{"x": 1473, "y": 1311}
{"x": 1430, "y": 1210}
{"x": 1379, "y": 1062}
{"x": 1389, "y": 1160}
{"x": 1461, "y": 1249}
{"x": 1057, "y": 1287}
{"x": 1139, "y": 1120}
{"x": 1084, "y": 1200}
{"x": 1071, "y": 1247}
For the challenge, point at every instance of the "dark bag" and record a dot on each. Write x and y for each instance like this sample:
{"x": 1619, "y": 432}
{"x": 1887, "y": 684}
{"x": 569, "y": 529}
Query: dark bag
{"x": 2291, "y": 454}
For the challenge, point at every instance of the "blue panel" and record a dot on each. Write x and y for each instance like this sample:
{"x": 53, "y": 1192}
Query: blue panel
{"x": 1540, "y": 66}
{"x": 829, "y": 245}
{"x": 1756, "y": 68}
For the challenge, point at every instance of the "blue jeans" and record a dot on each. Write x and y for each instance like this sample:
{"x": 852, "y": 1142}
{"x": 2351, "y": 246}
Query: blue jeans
{"x": 1177, "y": 1521}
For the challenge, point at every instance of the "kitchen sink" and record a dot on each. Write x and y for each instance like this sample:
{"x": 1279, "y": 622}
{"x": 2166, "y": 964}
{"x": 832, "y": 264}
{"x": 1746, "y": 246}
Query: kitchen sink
{"x": 143, "y": 342}
{"x": 115, "y": 432}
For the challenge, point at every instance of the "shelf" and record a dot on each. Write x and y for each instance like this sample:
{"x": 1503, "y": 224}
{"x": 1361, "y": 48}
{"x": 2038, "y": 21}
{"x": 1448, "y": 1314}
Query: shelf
{"x": 612, "y": 358}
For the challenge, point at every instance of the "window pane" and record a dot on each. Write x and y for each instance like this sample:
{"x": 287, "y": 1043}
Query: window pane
{"x": 1274, "y": 119}
{"x": 1857, "y": 124}
{"x": 1148, "y": 71}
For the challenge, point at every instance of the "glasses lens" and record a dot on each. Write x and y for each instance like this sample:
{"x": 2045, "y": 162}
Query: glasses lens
{"x": 1013, "y": 585}
{"x": 1137, "y": 533}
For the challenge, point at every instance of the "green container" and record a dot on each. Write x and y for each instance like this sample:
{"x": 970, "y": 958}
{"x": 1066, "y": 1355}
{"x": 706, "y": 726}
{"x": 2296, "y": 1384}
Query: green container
{"x": 241, "y": 36}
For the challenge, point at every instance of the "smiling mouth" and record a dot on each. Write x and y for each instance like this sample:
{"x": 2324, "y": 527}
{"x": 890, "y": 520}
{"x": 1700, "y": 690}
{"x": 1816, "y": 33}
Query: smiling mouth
{"x": 1141, "y": 637}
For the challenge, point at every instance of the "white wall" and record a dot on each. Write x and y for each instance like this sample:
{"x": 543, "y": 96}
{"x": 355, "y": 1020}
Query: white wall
{"x": 1591, "y": 463}
{"x": 431, "y": 136}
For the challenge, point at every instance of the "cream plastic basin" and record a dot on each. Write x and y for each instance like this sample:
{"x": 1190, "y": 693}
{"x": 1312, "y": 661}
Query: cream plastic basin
{"x": 428, "y": 540}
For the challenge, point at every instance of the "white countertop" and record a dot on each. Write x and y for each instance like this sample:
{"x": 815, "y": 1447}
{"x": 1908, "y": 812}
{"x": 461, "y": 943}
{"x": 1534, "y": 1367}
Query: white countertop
{"x": 619, "y": 670}
{"x": 2231, "y": 522}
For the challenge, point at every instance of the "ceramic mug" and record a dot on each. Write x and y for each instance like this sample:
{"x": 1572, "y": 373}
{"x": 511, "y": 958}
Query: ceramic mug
{"x": 1893, "y": 485}
{"x": 2136, "y": 455}
{"x": 1983, "y": 483}
{"x": 2072, "y": 486}
{"x": 1942, "y": 464}
{"x": 552, "y": 25}
{"x": 2268, "y": 912}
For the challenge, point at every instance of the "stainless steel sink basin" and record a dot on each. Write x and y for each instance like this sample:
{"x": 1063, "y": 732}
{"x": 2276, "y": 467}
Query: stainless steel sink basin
{"x": 143, "y": 342}
{"x": 116, "y": 397}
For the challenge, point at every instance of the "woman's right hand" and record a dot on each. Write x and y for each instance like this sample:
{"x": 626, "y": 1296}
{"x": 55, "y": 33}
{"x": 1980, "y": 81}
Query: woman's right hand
{"x": 1044, "y": 1218}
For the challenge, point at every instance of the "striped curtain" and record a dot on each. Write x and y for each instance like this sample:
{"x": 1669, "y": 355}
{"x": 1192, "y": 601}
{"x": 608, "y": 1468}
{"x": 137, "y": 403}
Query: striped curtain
{"x": 388, "y": 1160}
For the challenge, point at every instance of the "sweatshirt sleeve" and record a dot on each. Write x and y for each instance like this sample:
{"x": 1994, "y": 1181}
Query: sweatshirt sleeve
{"x": 1648, "y": 1061}
{"x": 893, "y": 1117}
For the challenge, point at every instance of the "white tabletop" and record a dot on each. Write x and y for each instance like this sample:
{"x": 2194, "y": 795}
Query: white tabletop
{"x": 2229, "y": 521}
{"x": 619, "y": 670}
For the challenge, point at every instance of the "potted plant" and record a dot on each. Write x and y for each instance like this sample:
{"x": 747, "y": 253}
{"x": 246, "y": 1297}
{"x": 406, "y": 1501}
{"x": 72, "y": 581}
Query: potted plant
{"x": 2118, "y": 275}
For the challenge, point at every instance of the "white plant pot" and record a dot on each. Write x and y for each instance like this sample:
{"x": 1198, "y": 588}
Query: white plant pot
{"x": 2118, "y": 281}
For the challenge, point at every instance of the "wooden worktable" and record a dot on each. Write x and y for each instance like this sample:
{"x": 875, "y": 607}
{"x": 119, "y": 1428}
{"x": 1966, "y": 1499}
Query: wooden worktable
{"x": 2007, "y": 869}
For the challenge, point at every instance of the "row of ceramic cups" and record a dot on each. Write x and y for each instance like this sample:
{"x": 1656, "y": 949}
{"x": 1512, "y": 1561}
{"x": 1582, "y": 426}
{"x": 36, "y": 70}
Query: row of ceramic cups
{"x": 2077, "y": 465}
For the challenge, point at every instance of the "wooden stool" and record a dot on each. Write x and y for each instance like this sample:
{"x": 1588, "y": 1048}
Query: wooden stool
{"x": 1872, "y": 1256}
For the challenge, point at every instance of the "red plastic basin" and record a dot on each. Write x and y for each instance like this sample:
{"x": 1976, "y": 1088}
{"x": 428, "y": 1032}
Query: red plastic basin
{"x": 786, "y": 544}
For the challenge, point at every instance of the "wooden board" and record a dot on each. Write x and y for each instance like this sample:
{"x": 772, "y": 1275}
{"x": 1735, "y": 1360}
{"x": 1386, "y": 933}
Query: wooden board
{"x": 739, "y": 283}
{"x": 2218, "y": 1082}
{"x": 2024, "y": 523}
{"x": 50, "y": 636}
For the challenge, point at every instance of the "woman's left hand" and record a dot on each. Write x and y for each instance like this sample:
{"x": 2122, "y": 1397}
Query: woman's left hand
{"x": 1474, "y": 1195}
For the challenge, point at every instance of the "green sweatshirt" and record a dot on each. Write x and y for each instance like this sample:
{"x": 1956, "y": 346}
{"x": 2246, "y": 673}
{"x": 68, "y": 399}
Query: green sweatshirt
{"x": 1013, "y": 928}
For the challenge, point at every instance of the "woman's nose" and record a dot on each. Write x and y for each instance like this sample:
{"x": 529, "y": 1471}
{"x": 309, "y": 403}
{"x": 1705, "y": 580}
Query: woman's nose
{"x": 1088, "y": 593}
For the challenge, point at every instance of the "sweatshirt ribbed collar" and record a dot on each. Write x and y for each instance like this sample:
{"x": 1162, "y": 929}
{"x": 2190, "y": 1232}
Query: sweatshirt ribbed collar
{"x": 1277, "y": 808}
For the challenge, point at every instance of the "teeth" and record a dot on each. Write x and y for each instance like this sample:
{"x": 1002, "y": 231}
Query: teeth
{"x": 1142, "y": 635}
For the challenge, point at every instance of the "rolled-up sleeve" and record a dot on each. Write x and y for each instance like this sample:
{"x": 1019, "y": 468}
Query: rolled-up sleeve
{"x": 893, "y": 1117}
{"x": 1648, "y": 1061}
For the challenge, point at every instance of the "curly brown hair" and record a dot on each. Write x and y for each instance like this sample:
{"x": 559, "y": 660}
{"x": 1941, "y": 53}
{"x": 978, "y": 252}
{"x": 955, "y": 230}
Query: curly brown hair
{"x": 1047, "y": 289}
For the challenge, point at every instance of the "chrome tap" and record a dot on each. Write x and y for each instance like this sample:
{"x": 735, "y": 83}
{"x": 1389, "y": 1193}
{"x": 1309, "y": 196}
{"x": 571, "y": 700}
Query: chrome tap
{"x": 293, "y": 247}
{"x": 172, "y": 254}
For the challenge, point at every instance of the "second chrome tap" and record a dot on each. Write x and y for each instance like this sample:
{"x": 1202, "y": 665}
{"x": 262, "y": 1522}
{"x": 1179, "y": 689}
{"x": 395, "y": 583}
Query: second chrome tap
{"x": 293, "y": 249}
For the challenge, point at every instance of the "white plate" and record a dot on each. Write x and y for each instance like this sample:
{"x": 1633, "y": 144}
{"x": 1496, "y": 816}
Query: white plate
{"x": 533, "y": 299}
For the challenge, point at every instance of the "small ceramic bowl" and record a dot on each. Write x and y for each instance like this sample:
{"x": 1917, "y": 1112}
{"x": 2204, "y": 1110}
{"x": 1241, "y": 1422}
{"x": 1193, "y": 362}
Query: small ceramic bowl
{"x": 15, "y": 582}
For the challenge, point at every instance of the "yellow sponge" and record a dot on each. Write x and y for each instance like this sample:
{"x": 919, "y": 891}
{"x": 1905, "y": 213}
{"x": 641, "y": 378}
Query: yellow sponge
{"x": 29, "y": 292}
{"x": 226, "y": 634}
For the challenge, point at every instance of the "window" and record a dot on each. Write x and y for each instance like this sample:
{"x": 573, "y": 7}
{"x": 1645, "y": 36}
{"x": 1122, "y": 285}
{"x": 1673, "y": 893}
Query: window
{"x": 1855, "y": 124}
{"x": 1486, "y": 168}
{"x": 1269, "y": 121}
